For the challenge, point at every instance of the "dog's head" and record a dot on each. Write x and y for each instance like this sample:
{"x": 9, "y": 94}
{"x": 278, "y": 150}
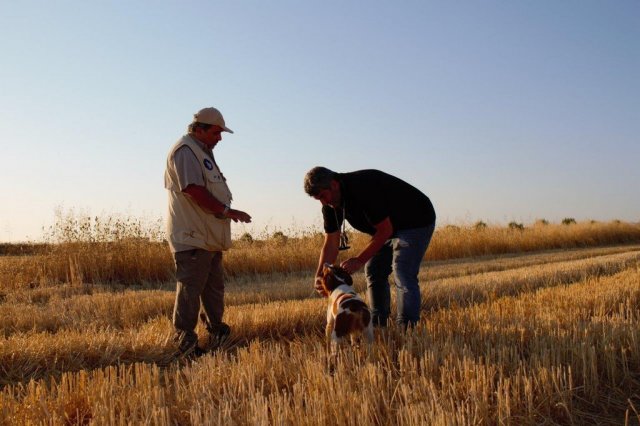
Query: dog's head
{"x": 334, "y": 276}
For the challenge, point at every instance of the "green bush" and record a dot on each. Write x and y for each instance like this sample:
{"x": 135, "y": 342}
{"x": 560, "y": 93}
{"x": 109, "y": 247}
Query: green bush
{"x": 516, "y": 226}
{"x": 246, "y": 238}
{"x": 480, "y": 225}
{"x": 279, "y": 237}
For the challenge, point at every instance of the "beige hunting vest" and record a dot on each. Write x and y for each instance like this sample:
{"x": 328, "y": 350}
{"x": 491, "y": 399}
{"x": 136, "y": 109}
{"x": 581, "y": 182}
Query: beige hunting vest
{"x": 188, "y": 224}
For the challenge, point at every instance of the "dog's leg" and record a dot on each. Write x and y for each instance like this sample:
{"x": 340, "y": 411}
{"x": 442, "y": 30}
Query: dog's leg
{"x": 328, "y": 344}
{"x": 327, "y": 332}
{"x": 333, "y": 358}
{"x": 355, "y": 340}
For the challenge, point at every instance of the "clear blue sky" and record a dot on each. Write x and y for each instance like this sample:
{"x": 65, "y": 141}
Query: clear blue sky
{"x": 498, "y": 111}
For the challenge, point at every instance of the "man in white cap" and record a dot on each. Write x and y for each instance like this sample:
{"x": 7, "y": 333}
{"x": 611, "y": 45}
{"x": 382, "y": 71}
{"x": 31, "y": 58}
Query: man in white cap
{"x": 199, "y": 229}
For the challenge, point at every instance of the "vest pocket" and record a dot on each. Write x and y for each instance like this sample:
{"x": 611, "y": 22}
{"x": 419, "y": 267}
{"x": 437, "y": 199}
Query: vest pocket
{"x": 219, "y": 189}
{"x": 192, "y": 238}
{"x": 220, "y": 233}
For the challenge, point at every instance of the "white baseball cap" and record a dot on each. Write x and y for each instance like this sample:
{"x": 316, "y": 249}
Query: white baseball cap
{"x": 210, "y": 115}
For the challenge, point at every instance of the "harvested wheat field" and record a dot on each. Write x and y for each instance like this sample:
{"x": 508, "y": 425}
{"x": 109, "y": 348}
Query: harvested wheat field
{"x": 542, "y": 337}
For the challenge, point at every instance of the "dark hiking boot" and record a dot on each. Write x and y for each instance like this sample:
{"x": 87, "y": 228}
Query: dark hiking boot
{"x": 190, "y": 353}
{"x": 218, "y": 334}
{"x": 197, "y": 353}
{"x": 186, "y": 348}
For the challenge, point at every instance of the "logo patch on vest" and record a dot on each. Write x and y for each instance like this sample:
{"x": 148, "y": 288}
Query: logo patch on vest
{"x": 208, "y": 164}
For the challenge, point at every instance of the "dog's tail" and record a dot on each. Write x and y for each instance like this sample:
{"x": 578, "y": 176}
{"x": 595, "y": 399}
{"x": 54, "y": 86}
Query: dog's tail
{"x": 360, "y": 319}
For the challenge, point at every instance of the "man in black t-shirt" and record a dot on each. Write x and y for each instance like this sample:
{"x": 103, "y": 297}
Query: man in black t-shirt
{"x": 401, "y": 221}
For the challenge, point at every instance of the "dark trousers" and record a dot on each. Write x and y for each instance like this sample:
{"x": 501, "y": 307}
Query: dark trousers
{"x": 200, "y": 282}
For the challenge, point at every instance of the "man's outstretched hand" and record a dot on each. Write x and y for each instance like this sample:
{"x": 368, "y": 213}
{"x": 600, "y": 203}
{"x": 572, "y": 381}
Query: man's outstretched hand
{"x": 238, "y": 216}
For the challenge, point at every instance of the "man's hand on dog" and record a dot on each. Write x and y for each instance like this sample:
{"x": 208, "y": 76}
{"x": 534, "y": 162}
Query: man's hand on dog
{"x": 351, "y": 265}
{"x": 319, "y": 287}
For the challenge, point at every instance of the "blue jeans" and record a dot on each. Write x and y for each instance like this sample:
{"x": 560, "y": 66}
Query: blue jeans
{"x": 401, "y": 254}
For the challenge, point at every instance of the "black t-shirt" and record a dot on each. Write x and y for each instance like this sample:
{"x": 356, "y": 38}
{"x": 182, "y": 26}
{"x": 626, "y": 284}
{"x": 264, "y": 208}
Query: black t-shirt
{"x": 369, "y": 196}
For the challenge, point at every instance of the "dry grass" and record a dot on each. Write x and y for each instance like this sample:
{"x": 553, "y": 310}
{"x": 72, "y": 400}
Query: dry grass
{"x": 457, "y": 242}
{"x": 551, "y": 337}
{"x": 542, "y": 342}
{"x": 77, "y": 308}
{"x": 129, "y": 250}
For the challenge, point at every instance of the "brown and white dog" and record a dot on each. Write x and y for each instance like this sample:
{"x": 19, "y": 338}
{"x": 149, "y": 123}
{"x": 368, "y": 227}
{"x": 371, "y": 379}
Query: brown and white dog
{"x": 348, "y": 314}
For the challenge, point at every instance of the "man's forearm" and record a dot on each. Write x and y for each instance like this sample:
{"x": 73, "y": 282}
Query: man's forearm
{"x": 203, "y": 198}
{"x": 376, "y": 243}
{"x": 384, "y": 230}
{"x": 329, "y": 252}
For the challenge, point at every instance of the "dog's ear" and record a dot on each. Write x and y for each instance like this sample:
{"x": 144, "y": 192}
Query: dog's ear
{"x": 327, "y": 278}
{"x": 342, "y": 275}
{"x": 325, "y": 288}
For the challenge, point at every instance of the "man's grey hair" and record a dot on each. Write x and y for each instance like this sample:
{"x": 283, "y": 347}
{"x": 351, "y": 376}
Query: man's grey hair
{"x": 197, "y": 125}
{"x": 317, "y": 179}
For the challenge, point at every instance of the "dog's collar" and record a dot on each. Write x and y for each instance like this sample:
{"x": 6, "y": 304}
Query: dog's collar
{"x": 340, "y": 279}
{"x": 344, "y": 288}
{"x": 330, "y": 266}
